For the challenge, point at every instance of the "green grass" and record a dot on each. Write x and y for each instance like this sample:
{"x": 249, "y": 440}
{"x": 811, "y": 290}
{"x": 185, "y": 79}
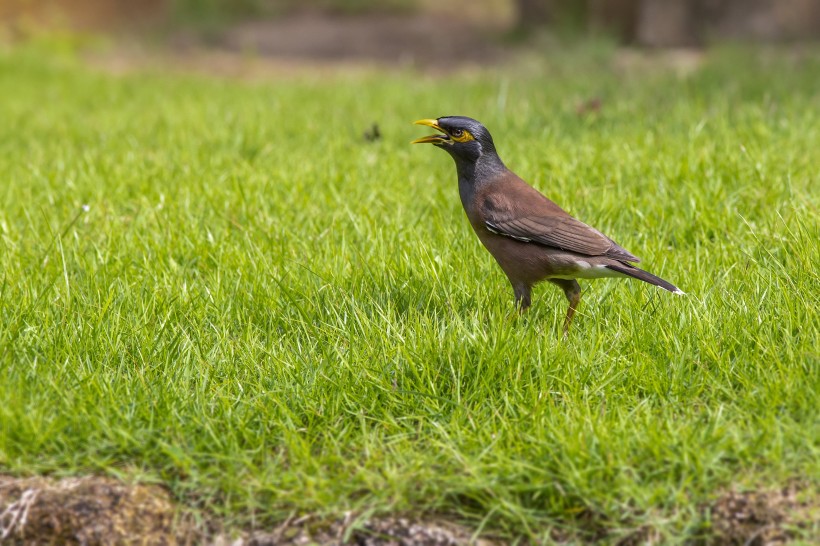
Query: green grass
{"x": 272, "y": 316}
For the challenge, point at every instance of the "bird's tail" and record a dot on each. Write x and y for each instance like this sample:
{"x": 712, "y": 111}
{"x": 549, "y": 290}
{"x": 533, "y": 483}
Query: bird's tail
{"x": 632, "y": 271}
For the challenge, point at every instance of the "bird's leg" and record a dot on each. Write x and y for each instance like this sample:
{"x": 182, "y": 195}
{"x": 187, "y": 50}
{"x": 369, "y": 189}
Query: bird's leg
{"x": 522, "y": 297}
{"x": 574, "y": 299}
{"x": 572, "y": 290}
{"x": 573, "y": 294}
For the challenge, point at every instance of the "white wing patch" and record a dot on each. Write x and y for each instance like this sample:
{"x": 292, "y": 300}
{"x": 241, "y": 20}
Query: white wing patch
{"x": 585, "y": 270}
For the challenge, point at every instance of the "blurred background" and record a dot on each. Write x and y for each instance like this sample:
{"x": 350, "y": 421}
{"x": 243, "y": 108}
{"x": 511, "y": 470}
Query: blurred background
{"x": 414, "y": 32}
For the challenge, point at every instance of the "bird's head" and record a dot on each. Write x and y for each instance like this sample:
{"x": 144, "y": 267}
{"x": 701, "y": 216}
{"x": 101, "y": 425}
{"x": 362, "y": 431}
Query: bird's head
{"x": 463, "y": 138}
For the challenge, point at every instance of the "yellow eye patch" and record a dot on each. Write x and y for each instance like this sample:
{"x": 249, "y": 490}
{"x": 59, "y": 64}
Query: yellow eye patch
{"x": 461, "y": 136}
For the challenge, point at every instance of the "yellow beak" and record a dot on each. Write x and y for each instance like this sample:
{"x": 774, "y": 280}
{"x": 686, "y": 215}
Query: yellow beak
{"x": 431, "y": 138}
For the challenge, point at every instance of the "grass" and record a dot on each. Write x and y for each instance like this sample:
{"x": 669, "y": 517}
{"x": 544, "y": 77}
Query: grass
{"x": 271, "y": 315}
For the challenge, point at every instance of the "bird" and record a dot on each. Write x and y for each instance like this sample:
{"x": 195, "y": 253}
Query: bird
{"x": 531, "y": 238}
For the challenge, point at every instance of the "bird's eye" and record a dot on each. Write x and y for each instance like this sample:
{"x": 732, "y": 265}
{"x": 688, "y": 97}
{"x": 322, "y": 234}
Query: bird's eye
{"x": 456, "y": 132}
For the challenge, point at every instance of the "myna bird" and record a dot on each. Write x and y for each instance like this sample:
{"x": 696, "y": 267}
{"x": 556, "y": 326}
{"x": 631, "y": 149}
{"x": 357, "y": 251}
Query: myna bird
{"x": 530, "y": 237}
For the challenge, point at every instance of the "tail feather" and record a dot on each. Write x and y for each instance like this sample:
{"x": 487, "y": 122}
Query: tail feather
{"x": 632, "y": 271}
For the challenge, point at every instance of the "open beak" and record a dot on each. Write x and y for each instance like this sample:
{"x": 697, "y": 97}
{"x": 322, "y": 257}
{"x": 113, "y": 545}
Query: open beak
{"x": 432, "y": 139}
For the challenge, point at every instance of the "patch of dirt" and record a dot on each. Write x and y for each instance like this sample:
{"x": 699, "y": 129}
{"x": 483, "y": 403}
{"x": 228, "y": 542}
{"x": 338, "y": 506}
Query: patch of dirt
{"x": 90, "y": 511}
{"x": 765, "y": 517}
{"x": 99, "y": 511}
{"x": 395, "y": 39}
{"x": 380, "y": 531}
{"x": 316, "y": 43}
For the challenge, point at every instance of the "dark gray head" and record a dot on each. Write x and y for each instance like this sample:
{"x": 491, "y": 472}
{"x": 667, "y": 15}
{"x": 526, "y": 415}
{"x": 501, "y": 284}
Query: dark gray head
{"x": 463, "y": 138}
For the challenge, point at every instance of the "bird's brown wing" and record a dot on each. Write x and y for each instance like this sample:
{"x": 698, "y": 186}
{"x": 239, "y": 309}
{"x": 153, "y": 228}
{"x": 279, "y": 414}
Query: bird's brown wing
{"x": 564, "y": 232}
{"x": 513, "y": 208}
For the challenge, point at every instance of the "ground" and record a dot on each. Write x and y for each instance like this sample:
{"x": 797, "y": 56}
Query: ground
{"x": 235, "y": 311}
{"x": 98, "y": 511}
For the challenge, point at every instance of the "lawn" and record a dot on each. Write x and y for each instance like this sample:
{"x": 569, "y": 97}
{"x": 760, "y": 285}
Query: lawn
{"x": 222, "y": 287}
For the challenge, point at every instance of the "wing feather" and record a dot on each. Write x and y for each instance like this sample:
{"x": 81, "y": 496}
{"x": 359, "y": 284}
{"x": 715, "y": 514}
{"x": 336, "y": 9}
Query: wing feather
{"x": 563, "y": 232}
{"x": 519, "y": 211}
